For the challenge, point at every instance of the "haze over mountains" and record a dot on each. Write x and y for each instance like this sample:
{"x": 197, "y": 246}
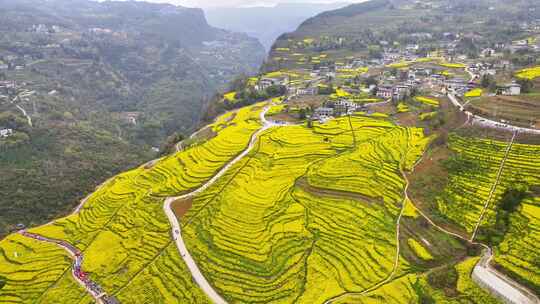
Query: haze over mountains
{"x": 266, "y": 23}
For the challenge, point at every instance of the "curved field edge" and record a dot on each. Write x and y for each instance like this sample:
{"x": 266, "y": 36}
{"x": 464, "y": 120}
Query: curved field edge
{"x": 472, "y": 166}
{"x": 122, "y": 230}
{"x": 261, "y": 236}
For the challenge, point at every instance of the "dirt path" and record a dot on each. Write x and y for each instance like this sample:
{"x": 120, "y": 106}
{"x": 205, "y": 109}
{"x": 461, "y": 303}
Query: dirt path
{"x": 398, "y": 236}
{"x": 494, "y": 187}
{"x": 484, "y": 274}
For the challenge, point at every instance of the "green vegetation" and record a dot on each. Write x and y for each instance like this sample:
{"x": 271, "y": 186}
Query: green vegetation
{"x": 111, "y": 81}
{"x": 302, "y": 228}
{"x": 517, "y": 254}
{"x": 444, "y": 278}
{"x": 412, "y": 288}
{"x": 511, "y": 221}
{"x": 530, "y": 73}
{"x": 123, "y": 231}
{"x": 419, "y": 250}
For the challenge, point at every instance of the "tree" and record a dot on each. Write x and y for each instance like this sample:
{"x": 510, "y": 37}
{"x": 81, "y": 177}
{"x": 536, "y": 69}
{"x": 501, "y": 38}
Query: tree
{"x": 302, "y": 114}
{"x": 170, "y": 144}
{"x": 444, "y": 278}
{"x": 488, "y": 81}
{"x": 526, "y": 85}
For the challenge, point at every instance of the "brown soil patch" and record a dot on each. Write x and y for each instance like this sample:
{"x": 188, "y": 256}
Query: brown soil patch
{"x": 407, "y": 119}
{"x": 181, "y": 207}
{"x": 287, "y": 117}
{"x": 387, "y": 108}
{"x": 307, "y": 101}
{"x": 519, "y": 110}
{"x": 303, "y": 184}
{"x": 429, "y": 178}
{"x": 205, "y": 134}
{"x": 150, "y": 164}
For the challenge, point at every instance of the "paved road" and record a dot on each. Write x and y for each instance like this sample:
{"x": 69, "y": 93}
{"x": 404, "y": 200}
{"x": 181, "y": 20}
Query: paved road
{"x": 499, "y": 284}
{"x": 486, "y": 122}
{"x": 177, "y": 230}
{"x": 486, "y": 276}
{"x": 79, "y": 275}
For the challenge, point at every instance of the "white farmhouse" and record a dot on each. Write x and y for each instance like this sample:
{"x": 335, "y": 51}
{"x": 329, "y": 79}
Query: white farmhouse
{"x": 512, "y": 89}
{"x": 4, "y": 133}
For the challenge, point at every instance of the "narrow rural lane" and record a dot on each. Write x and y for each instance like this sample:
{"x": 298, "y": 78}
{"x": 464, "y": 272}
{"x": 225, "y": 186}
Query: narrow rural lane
{"x": 79, "y": 275}
{"x": 176, "y": 227}
{"x": 25, "y": 114}
{"x": 489, "y": 123}
{"x": 395, "y": 266}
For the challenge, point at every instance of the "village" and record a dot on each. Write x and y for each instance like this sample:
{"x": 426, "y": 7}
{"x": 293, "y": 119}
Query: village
{"x": 354, "y": 84}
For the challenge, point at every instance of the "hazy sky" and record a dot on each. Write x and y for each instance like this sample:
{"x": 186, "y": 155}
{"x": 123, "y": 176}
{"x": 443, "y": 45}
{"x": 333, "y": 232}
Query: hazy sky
{"x": 241, "y": 3}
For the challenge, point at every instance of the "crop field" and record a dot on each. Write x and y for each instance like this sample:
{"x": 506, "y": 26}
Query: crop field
{"x": 402, "y": 108}
{"x": 427, "y": 100}
{"x": 123, "y": 231}
{"x": 470, "y": 185}
{"x": 28, "y": 278}
{"x": 523, "y": 110}
{"x": 453, "y": 65}
{"x": 414, "y": 288}
{"x": 530, "y": 73}
{"x": 518, "y": 253}
{"x": 480, "y": 161}
{"x": 468, "y": 191}
{"x": 474, "y": 93}
{"x": 308, "y": 215}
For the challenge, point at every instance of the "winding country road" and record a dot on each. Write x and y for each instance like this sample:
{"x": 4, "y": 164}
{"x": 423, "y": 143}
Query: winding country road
{"x": 486, "y": 122}
{"x": 176, "y": 228}
{"x": 79, "y": 275}
{"x": 484, "y": 274}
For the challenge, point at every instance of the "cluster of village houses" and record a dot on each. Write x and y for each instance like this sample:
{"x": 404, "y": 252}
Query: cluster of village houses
{"x": 400, "y": 87}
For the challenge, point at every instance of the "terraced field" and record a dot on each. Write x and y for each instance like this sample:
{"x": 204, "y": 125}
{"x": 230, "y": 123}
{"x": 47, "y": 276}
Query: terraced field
{"x": 518, "y": 254}
{"x": 470, "y": 186}
{"x": 310, "y": 214}
{"x": 414, "y": 288}
{"x": 35, "y": 280}
{"x": 468, "y": 191}
{"x": 123, "y": 232}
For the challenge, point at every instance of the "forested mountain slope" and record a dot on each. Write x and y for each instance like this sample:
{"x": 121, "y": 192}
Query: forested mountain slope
{"x": 102, "y": 83}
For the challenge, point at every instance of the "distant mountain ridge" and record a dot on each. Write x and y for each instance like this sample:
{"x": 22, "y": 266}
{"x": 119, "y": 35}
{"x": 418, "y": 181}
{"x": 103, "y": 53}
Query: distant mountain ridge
{"x": 111, "y": 80}
{"x": 267, "y": 23}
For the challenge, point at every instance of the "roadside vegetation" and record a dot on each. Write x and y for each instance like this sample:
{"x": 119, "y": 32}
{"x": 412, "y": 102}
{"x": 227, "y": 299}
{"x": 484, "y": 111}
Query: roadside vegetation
{"x": 122, "y": 230}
